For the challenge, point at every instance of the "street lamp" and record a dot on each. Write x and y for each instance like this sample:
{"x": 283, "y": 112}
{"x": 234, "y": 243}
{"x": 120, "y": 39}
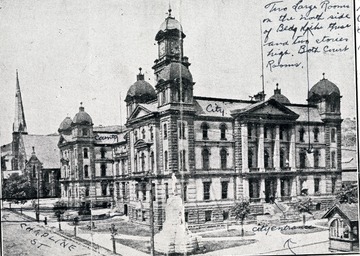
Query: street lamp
{"x": 113, "y": 232}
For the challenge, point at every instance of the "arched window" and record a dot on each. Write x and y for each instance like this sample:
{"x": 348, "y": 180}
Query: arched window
{"x": 34, "y": 171}
{"x": 204, "y": 128}
{"x": 151, "y": 133}
{"x": 86, "y": 171}
{"x": 86, "y": 153}
{"x": 102, "y": 152}
{"x": 316, "y": 134}
{"x": 250, "y": 158}
{"x": 223, "y": 158}
{"x": 181, "y": 130}
{"x": 205, "y": 158}
{"x": 87, "y": 191}
{"x": 334, "y": 228}
{"x": 301, "y": 134}
{"x": 223, "y": 131}
{"x": 143, "y": 134}
{"x": 266, "y": 159}
{"x": 152, "y": 160}
{"x": 316, "y": 158}
{"x": 182, "y": 160}
{"x": 333, "y": 135}
{"x": 333, "y": 106}
{"x": 165, "y": 131}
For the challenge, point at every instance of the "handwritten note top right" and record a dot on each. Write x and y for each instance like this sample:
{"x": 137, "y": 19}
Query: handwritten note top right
{"x": 293, "y": 31}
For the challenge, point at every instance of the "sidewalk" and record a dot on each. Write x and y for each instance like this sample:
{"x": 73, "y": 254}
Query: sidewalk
{"x": 101, "y": 242}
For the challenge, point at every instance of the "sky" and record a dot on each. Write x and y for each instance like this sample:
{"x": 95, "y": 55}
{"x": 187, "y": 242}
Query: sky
{"x": 68, "y": 52}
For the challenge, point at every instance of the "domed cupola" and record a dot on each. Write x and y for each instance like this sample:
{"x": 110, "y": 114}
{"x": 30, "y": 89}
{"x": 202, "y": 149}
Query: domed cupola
{"x": 323, "y": 89}
{"x": 279, "y": 97}
{"x": 326, "y": 95}
{"x": 174, "y": 72}
{"x": 141, "y": 91}
{"x": 65, "y": 125}
{"x": 170, "y": 26}
{"x": 82, "y": 117}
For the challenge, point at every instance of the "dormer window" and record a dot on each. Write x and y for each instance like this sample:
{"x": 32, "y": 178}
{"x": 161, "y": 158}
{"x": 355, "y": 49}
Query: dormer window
{"x": 85, "y": 132}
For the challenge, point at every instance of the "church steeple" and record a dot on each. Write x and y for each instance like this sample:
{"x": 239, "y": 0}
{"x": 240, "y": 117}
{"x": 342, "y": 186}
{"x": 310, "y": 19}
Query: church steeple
{"x": 19, "y": 125}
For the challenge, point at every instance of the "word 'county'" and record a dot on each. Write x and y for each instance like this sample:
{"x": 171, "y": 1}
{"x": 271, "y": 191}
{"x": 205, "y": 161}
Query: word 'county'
{"x": 61, "y": 242}
{"x": 109, "y": 137}
{"x": 265, "y": 228}
{"x": 215, "y": 108}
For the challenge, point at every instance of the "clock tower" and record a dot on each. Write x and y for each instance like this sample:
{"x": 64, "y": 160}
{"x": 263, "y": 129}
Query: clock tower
{"x": 170, "y": 44}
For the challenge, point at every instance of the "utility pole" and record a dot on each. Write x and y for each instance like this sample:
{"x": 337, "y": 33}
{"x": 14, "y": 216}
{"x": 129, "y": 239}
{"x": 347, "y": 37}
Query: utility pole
{"x": 113, "y": 232}
{"x": 152, "y": 244}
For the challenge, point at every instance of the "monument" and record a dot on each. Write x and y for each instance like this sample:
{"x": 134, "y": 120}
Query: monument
{"x": 175, "y": 237}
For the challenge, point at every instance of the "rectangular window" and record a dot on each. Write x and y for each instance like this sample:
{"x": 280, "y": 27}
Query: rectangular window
{"x": 186, "y": 216}
{"x": 166, "y": 190}
{"x": 165, "y": 160}
{"x": 333, "y": 135}
{"x": 103, "y": 170}
{"x": 185, "y": 192}
{"x": 225, "y": 215}
{"x": 137, "y": 190}
{"x": 333, "y": 160}
{"x": 165, "y": 132}
{"x": 153, "y": 191}
{"x": 207, "y": 190}
{"x": 333, "y": 185}
{"x": 103, "y": 152}
{"x": 316, "y": 185}
{"x": 224, "y": 189}
{"x": 208, "y": 216}
{"x": 143, "y": 190}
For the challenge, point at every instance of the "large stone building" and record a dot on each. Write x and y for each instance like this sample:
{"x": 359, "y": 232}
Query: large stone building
{"x": 221, "y": 150}
{"x": 37, "y": 156}
{"x": 87, "y": 161}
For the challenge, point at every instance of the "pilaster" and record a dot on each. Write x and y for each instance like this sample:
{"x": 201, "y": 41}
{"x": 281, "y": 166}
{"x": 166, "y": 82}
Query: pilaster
{"x": 244, "y": 147}
{"x": 261, "y": 149}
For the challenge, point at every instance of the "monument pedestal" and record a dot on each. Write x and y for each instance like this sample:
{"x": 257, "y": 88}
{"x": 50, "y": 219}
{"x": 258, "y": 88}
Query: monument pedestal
{"x": 175, "y": 237}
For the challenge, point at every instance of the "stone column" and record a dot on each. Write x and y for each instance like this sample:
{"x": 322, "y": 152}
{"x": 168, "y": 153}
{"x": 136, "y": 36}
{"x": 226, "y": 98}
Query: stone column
{"x": 261, "y": 148}
{"x": 262, "y": 190}
{"x": 277, "y": 148}
{"x": 244, "y": 147}
{"x": 278, "y": 189}
{"x": 292, "y": 151}
{"x": 246, "y": 187}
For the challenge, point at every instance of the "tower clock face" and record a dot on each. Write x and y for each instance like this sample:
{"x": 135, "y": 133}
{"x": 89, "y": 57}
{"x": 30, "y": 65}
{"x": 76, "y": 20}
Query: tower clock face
{"x": 174, "y": 47}
{"x": 162, "y": 48}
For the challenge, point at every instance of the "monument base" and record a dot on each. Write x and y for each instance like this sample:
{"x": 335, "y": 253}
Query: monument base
{"x": 175, "y": 237}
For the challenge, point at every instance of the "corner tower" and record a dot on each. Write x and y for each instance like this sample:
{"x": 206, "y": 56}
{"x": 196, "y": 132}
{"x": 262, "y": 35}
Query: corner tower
{"x": 174, "y": 80}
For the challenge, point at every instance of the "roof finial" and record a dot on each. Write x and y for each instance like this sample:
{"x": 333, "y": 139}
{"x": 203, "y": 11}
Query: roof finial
{"x": 169, "y": 11}
{"x": 323, "y": 75}
{"x": 277, "y": 86}
{"x": 33, "y": 148}
{"x": 81, "y": 104}
{"x": 140, "y": 70}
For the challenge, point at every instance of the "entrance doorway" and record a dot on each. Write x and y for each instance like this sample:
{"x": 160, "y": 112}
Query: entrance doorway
{"x": 270, "y": 190}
